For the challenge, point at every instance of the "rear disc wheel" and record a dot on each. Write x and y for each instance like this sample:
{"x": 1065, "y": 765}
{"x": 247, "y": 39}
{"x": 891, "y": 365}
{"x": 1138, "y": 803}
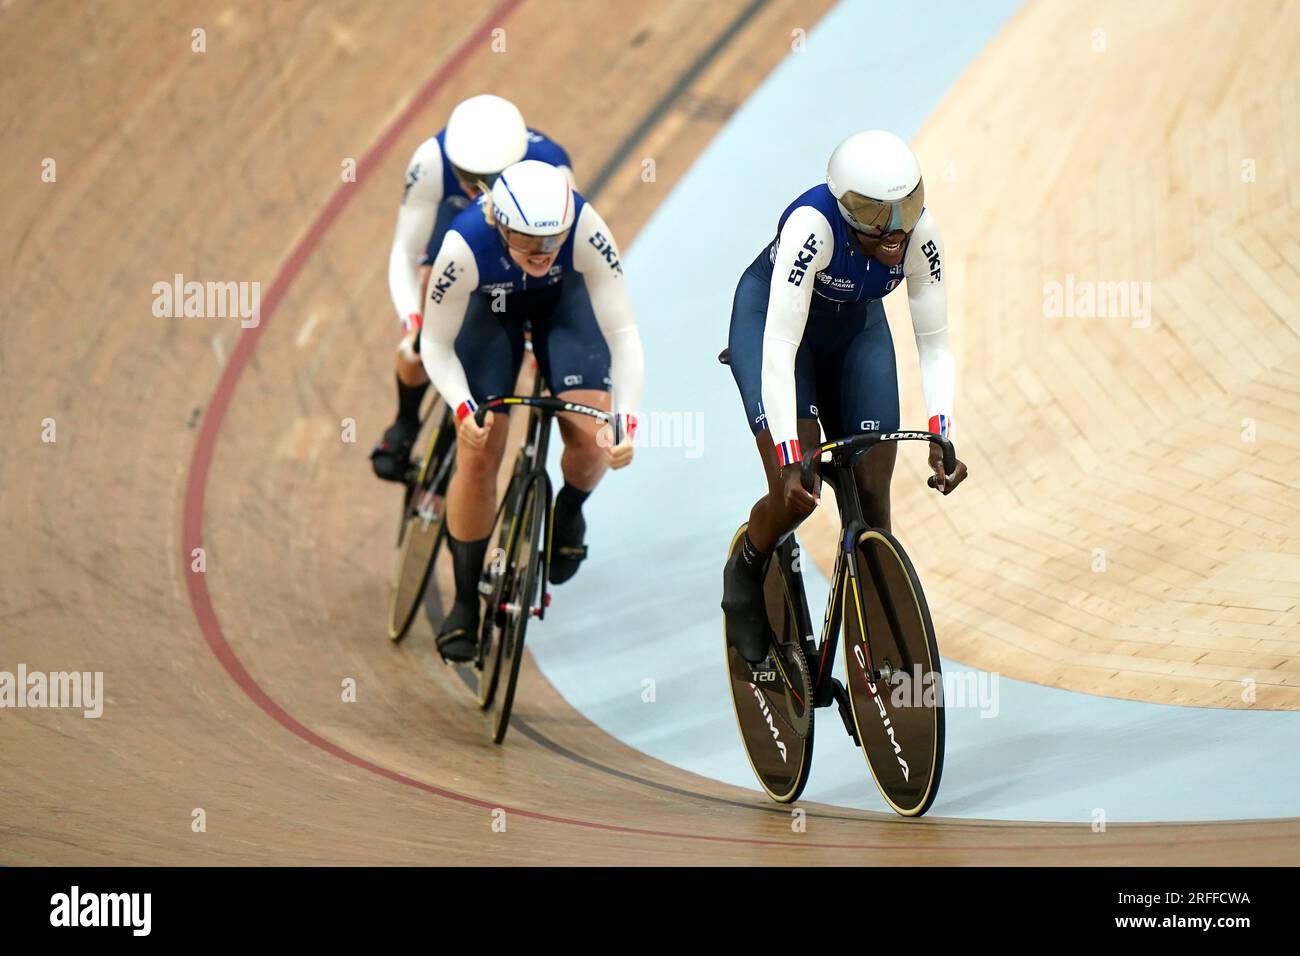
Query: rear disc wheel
{"x": 773, "y": 700}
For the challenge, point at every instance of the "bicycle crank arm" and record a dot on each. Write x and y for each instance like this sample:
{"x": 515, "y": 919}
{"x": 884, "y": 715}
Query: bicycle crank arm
{"x": 846, "y": 710}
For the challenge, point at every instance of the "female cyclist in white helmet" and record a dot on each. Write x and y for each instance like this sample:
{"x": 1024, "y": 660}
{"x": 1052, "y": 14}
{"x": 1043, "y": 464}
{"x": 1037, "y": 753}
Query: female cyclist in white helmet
{"x": 533, "y": 251}
{"x": 484, "y": 135}
{"x": 809, "y": 342}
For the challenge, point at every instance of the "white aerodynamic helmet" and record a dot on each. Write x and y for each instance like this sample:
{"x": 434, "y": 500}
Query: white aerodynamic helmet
{"x": 534, "y": 198}
{"x": 485, "y": 134}
{"x": 876, "y": 180}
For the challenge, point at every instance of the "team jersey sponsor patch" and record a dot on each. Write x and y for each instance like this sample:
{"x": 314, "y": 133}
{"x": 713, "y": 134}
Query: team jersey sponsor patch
{"x": 931, "y": 251}
{"x": 802, "y": 259}
{"x": 444, "y": 282}
{"x": 412, "y": 177}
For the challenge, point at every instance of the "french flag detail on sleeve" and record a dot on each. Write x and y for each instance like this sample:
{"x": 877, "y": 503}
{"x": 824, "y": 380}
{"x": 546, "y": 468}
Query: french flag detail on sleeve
{"x": 940, "y": 425}
{"x": 467, "y": 407}
{"x": 788, "y": 452}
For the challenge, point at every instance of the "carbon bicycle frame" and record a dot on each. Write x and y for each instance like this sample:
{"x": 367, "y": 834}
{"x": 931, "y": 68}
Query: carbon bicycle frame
{"x": 844, "y": 454}
{"x": 536, "y": 445}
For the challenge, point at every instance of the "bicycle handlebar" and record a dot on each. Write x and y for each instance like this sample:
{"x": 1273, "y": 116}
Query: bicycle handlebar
{"x": 545, "y": 404}
{"x": 873, "y": 438}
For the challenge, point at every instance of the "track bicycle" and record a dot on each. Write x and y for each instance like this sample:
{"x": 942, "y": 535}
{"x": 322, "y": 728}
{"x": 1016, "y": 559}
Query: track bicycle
{"x": 514, "y": 583}
{"x": 891, "y": 702}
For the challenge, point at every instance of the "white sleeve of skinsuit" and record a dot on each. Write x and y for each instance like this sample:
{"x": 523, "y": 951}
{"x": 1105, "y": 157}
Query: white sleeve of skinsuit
{"x": 415, "y": 219}
{"x": 805, "y": 246}
{"x": 927, "y": 300}
{"x": 596, "y": 256}
{"x": 454, "y": 278}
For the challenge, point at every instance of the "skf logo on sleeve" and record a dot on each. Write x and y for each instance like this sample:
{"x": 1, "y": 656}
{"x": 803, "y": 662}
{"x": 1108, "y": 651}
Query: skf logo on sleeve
{"x": 412, "y": 177}
{"x": 444, "y": 282}
{"x": 802, "y": 259}
{"x": 606, "y": 249}
{"x": 932, "y": 253}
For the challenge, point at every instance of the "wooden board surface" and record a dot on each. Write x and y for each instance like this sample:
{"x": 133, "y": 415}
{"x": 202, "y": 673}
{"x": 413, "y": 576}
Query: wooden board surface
{"x": 1130, "y": 525}
{"x": 214, "y": 165}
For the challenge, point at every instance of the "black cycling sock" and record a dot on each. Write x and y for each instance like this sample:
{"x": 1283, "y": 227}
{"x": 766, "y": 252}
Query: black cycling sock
{"x": 409, "y": 398}
{"x": 467, "y": 565}
{"x": 570, "y": 499}
{"x": 752, "y": 561}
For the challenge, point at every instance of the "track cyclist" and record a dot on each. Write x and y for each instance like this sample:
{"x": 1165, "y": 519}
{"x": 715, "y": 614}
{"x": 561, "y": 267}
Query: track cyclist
{"x": 484, "y": 135}
{"x": 809, "y": 341}
{"x": 533, "y": 251}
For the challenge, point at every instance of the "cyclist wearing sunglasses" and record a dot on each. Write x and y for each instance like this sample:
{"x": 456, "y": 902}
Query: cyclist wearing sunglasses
{"x": 809, "y": 343}
{"x": 534, "y": 252}
{"x": 484, "y": 135}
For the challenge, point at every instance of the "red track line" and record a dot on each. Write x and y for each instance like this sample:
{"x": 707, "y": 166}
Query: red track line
{"x": 205, "y": 445}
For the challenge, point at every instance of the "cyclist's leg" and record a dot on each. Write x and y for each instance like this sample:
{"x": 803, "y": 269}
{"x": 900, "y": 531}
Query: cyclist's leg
{"x": 861, "y": 378}
{"x": 742, "y": 597}
{"x": 572, "y": 354}
{"x": 490, "y": 348}
{"x": 770, "y": 519}
{"x": 392, "y": 453}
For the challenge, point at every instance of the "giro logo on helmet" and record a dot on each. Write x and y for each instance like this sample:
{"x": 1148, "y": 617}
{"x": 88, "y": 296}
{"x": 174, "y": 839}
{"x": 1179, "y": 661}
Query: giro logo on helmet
{"x": 533, "y": 198}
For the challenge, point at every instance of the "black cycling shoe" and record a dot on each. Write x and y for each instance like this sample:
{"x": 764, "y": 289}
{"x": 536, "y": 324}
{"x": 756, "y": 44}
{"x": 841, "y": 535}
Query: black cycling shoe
{"x": 458, "y": 637}
{"x": 568, "y": 551}
{"x": 391, "y": 457}
{"x": 745, "y": 610}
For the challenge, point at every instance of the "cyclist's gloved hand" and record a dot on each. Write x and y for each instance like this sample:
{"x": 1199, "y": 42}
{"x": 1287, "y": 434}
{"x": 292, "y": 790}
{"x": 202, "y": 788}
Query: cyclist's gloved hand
{"x": 940, "y": 481}
{"x": 470, "y": 433}
{"x": 618, "y": 455}
{"x": 799, "y": 502}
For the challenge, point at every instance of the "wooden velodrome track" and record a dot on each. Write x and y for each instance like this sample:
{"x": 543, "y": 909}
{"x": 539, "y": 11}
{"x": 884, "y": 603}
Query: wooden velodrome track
{"x": 224, "y": 688}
